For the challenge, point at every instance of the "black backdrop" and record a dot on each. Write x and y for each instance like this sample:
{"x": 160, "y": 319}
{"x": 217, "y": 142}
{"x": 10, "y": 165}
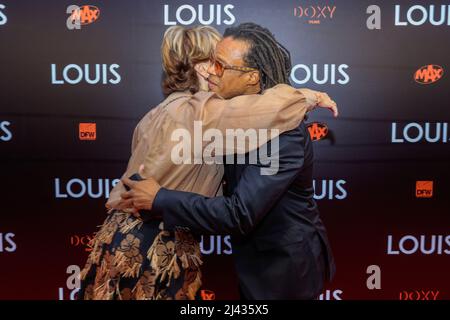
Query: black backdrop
{"x": 385, "y": 66}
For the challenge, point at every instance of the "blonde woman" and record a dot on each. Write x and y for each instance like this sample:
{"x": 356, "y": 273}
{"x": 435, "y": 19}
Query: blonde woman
{"x": 136, "y": 259}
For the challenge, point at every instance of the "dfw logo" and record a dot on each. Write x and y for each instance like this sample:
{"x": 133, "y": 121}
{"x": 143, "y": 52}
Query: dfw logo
{"x": 416, "y": 15}
{"x": 5, "y": 133}
{"x": 424, "y": 189}
{"x": 3, "y": 18}
{"x": 81, "y": 16}
{"x": 87, "y": 131}
{"x": 187, "y": 14}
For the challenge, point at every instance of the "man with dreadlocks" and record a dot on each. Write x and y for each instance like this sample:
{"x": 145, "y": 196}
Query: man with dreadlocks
{"x": 280, "y": 245}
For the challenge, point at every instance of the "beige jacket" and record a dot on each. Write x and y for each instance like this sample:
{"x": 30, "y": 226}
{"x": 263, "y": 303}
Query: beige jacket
{"x": 281, "y": 107}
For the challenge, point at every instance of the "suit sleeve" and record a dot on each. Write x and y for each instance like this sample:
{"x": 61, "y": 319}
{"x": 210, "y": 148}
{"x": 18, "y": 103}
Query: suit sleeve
{"x": 252, "y": 198}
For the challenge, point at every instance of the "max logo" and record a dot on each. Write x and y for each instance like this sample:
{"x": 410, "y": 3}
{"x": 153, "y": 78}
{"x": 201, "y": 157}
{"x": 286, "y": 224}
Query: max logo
{"x": 207, "y": 295}
{"x": 419, "y": 295}
{"x": 317, "y": 130}
{"x": 81, "y": 15}
{"x": 428, "y": 74}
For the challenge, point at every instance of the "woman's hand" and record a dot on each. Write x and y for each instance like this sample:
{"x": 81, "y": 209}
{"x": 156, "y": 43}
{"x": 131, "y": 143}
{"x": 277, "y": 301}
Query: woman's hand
{"x": 317, "y": 99}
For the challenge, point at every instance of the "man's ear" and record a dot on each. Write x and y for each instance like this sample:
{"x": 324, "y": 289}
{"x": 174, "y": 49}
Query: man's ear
{"x": 253, "y": 78}
{"x": 202, "y": 69}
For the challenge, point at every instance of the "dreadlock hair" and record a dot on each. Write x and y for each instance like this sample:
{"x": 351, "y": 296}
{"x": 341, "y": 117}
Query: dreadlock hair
{"x": 266, "y": 54}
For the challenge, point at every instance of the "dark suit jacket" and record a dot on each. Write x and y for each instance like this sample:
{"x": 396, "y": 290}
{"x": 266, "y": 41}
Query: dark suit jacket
{"x": 279, "y": 242}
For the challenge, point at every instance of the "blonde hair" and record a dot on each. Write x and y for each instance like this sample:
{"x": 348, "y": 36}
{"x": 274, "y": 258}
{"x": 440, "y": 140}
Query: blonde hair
{"x": 182, "y": 48}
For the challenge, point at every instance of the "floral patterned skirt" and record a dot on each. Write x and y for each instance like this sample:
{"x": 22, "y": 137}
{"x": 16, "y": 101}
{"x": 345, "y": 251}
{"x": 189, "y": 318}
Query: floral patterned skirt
{"x": 132, "y": 259}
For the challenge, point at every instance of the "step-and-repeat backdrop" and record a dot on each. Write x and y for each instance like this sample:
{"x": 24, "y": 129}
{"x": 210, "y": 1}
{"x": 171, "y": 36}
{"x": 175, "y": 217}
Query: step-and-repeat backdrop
{"x": 76, "y": 77}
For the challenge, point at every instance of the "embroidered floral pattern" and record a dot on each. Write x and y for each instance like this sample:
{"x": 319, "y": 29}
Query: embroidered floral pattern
{"x": 122, "y": 266}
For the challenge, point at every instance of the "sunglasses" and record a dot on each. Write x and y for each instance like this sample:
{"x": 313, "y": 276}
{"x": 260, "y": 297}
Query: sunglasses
{"x": 220, "y": 67}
